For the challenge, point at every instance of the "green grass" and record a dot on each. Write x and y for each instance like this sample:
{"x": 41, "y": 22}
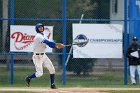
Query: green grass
{"x": 106, "y": 79}
{"x": 122, "y": 91}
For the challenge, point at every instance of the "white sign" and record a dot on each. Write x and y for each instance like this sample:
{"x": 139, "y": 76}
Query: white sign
{"x": 105, "y": 40}
{"x": 21, "y": 37}
{"x": 135, "y": 54}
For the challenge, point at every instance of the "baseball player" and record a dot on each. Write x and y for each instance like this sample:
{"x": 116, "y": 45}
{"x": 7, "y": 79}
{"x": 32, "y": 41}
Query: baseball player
{"x": 39, "y": 57}
{"x": 134, "y": 61}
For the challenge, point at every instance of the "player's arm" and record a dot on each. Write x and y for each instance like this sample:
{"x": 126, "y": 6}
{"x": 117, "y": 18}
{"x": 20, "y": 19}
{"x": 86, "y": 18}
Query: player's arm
{"x": 128, "y": 52}
{"x": 53, "y": 44}
{"x": 49, "y": 43}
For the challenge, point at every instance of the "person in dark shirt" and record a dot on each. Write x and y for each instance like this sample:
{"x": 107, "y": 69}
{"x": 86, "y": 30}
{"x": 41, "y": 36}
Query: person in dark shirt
{"x": 133, "y": 53}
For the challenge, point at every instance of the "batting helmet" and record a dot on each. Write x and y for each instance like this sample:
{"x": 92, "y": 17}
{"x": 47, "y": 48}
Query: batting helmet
{"x": 135, "y": 38}
{"x": 37, "y": 26}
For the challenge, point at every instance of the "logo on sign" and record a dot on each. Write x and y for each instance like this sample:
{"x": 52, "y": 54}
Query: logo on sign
{"x": 81, "y": 38}
{"x": 22, "y": 41}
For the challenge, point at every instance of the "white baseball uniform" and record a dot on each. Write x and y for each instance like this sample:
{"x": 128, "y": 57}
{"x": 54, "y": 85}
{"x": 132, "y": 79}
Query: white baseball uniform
{"x": 133, "y": 68}
{"x": 40, "y": 59}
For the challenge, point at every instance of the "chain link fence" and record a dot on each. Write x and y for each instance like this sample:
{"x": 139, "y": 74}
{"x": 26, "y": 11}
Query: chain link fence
{"x": 79, "y": 72}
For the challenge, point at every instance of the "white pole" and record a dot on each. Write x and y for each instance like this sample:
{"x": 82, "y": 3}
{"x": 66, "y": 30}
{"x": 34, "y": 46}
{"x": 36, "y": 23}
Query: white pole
{"x": 72, "y": 46}
{"x": 81, "y": 18}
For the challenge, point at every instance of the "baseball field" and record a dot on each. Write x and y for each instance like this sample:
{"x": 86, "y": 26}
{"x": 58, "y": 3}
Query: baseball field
{"x": 96, "y": 83}
{"x": 96, "y": 35}
{"x": 68, "y": 90}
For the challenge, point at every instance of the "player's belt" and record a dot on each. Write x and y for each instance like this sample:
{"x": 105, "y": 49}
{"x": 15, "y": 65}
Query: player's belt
{"x": 39, "y": 53}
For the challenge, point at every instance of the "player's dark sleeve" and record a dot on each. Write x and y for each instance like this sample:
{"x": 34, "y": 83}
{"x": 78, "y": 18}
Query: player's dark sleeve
{"x": 49, "y": 43}
{"x": 128, "y": 52}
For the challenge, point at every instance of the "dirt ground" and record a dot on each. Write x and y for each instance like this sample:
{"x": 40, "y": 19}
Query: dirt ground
{"x": 63, "y": 90}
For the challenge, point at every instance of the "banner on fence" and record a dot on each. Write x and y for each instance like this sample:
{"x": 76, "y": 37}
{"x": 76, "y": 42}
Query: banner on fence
{"x": 22, "y": 36}
{"x": 104, "y": 40}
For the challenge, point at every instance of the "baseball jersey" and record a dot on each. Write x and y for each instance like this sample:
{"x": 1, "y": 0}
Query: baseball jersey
{"x": 133, "y": 60}
{"x": 39, "y": 47}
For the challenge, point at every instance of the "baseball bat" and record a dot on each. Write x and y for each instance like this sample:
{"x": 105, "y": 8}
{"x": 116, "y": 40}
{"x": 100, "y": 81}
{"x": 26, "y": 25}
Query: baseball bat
{"x": 77, "y": 43}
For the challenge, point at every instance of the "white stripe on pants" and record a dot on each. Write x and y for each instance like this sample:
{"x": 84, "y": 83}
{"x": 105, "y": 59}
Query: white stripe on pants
{"x": 132, "y": 73}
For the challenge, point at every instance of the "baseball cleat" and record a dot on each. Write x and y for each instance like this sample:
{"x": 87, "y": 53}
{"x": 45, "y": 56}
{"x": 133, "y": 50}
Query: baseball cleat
{"x": 28, "y": 81}
{"x": 53, "y": 86}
